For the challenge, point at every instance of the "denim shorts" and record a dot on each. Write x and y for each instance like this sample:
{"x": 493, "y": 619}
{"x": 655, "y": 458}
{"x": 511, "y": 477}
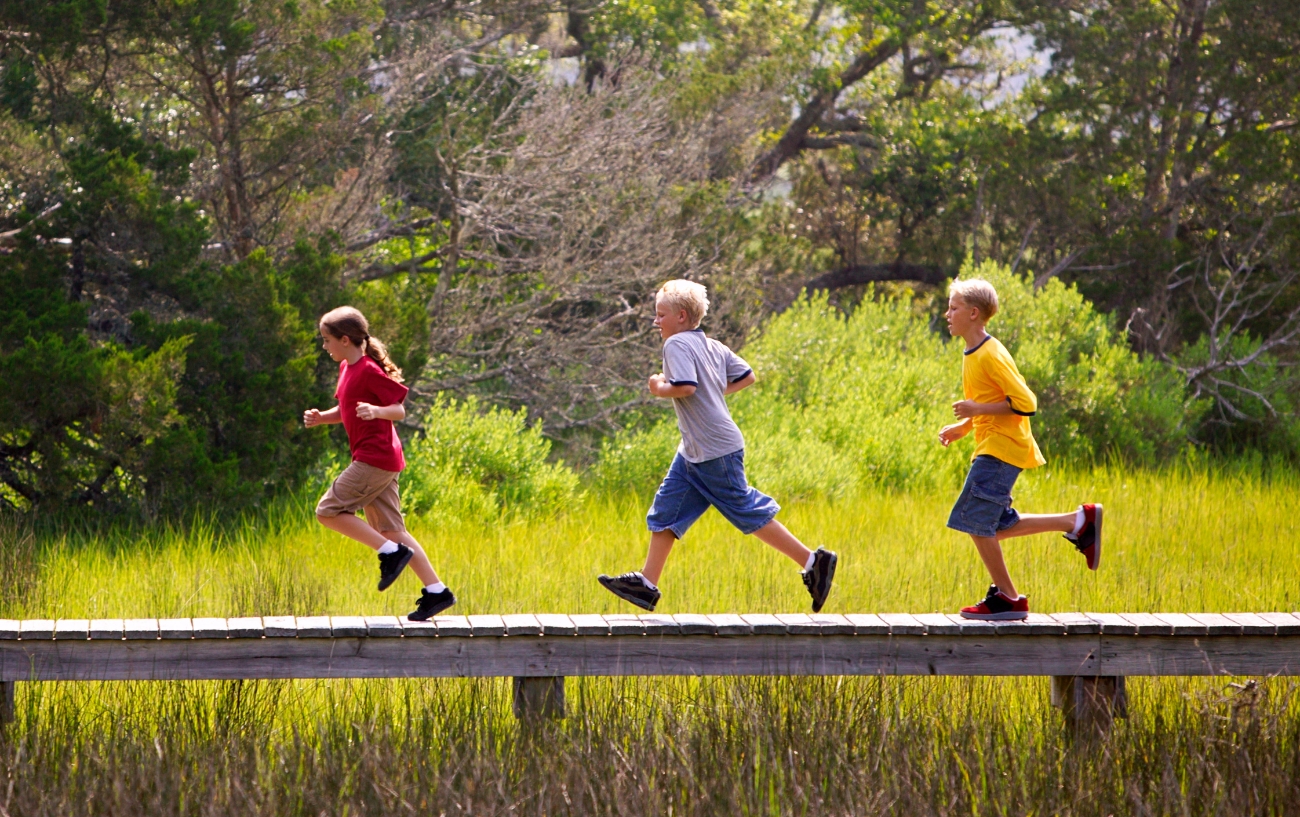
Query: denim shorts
{"x": 984, "y": 507}
{"x": 691, "y": 487}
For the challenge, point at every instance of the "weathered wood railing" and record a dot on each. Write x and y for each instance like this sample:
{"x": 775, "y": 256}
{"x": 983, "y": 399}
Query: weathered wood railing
{"x": 1087, "y": 654}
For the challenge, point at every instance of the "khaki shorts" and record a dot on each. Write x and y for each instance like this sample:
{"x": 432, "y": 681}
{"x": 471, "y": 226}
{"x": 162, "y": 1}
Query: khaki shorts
{"x": 365, "y": 487}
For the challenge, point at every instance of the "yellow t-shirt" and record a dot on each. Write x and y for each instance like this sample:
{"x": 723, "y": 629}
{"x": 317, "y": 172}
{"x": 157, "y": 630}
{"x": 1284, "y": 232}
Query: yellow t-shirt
{"x": 989, "y": 375}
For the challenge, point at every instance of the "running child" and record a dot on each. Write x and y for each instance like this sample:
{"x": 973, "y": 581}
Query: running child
{"x": 709, "y": 468}
{"x": 997, "y": 407}
{"x": 370, "y": 395}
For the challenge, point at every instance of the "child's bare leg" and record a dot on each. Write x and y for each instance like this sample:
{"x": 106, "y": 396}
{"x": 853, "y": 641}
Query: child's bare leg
{"x": 420, "y": 561}
{"x": 991, "y": 552}
{"x": 352, "y": 527}
{"x": 1032, "y": 523}
{"x": 661, "y": 544}
{"x": 779, "y": 537}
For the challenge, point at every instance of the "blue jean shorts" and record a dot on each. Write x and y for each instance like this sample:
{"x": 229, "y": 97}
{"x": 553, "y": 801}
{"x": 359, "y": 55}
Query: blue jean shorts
{"x": 691, "y": 487}
{"x": 984, "y": 507}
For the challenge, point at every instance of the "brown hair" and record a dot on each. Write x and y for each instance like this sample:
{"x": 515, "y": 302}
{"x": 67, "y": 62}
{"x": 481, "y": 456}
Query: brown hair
{"x": 348, "y": 322}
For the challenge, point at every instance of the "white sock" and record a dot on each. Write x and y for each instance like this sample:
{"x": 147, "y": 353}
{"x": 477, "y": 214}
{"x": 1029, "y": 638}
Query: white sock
{"x": 436, "y": 587}
{"x": 812, "y": 559}
{"x": 387, "y": 547}
{"x": 647, "y": 582}
{"x": 1078, "y": 522}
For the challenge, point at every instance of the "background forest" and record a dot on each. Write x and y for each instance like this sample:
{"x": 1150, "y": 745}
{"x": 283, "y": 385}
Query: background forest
{"x": 500, "y": 186}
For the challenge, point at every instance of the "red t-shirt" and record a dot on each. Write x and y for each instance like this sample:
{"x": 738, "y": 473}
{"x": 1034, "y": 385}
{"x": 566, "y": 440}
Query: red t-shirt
{"x": 373, "y": 442}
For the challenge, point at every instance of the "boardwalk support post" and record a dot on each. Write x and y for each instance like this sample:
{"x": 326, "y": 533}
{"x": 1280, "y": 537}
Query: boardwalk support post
{"x": 539, "y": 697}
{"x": 6, "y": 702}
{"x": 1090, "y": 703}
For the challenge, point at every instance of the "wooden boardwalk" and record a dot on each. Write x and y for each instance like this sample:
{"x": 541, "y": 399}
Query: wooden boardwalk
{"x": 540, "y": 650}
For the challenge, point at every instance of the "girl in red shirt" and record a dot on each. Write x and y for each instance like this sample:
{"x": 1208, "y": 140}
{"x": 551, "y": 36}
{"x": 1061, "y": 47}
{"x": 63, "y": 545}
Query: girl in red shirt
{"x": 370, "y": 395}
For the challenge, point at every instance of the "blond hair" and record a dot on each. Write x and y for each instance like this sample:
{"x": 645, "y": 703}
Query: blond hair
{"x": 978, "y": 293}
{"x": 348, "y": 322}
{"x": 685, "y": 295}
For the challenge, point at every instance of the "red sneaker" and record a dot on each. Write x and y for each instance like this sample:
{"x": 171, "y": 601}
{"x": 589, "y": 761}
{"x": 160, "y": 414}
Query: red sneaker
{"x": 1088, "y": 540}
{"x": 997, "y": 607}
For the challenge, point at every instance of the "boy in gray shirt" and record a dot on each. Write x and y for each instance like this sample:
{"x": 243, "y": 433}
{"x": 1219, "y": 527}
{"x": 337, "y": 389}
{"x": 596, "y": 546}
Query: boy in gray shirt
{"x": 709, "y": 468}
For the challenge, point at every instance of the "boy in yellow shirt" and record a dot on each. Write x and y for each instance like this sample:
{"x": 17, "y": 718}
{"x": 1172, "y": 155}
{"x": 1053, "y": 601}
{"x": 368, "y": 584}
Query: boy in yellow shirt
{"x": 997, "y": 407}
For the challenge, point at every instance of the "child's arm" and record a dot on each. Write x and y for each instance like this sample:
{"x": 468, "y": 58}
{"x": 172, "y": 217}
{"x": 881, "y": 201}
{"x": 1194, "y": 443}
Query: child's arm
{"x": 954, "y": 432}
{"x": 395, "y": 412}
{"x": 660, "y": 387}
{"x": 316, "y": 417}
{"x": 742, "y": 383}
{"x": 967, "y": 409}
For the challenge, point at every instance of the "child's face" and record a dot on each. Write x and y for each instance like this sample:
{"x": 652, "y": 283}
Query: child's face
{"x": 668, "y": 321}
{"x": 336, "y": 348}
{"x": 961, "y": 316}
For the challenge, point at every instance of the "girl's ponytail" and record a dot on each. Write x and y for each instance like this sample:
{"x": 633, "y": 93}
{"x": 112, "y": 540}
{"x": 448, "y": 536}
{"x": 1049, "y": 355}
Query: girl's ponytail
{"x": 347, "y": 322}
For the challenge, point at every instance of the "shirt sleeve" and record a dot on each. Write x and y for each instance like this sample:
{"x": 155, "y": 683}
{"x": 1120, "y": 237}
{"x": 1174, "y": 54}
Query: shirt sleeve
{"x": 737, "y": 368}
{"x": 1003, "y": 371}
{"x": 679, "y": 365}
{"x": 387, "y": 392}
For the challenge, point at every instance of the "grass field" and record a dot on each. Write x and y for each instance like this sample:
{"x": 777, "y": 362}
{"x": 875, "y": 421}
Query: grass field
{"x": 1187, "y": 540}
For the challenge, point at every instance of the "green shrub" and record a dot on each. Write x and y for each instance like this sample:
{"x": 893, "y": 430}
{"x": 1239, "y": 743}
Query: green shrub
{"x": 844, "y": 401}
{"x": 475, "y": 464}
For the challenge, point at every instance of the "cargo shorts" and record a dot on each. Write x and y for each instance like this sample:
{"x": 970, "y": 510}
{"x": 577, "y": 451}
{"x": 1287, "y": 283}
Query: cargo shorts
{"x": 363, "y": 487}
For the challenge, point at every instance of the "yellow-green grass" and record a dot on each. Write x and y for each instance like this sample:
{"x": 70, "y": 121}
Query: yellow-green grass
{"x": 1174, "y": 542}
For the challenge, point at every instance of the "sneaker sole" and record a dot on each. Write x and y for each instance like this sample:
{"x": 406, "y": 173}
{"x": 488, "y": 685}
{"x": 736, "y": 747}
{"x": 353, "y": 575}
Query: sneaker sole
{"x": 384, "y": 585}
{"x": 1096, "y": 545}
{"x": 644, "y": 605}
{"x": 1010, "y": 615}
{"x": 830, "y": 579}
{"x": 418, "y": 616}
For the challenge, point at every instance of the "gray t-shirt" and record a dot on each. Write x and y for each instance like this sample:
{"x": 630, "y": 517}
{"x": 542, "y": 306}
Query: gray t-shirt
{"x": 691, "y": 359}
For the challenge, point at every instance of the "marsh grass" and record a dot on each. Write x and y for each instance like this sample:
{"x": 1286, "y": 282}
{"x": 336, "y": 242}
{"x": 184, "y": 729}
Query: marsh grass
{"x": 1183, "y": 540}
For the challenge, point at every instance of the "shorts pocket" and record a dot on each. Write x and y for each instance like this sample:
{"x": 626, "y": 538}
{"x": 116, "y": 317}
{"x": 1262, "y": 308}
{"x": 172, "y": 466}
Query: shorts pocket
{"x": 1000, "y": 499}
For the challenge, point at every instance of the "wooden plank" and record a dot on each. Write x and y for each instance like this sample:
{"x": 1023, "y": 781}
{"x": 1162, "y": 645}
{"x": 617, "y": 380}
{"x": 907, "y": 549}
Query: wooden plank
{"x": 1146, "y": 624}
{"x": 1181, "y": 624}
{"x": 279, "y": 626}
{"x": 72, "y": 629}
{"x": 306, "y": 627}
{"x": 730, "y": 624}
{"x": 831, "y": 624}
{"x": 418, "y": 629}
{"x": 210, "y": 628}
{"x": 348, "y": 627}
{"x": 1285, "y": 623}
{"x": 140, "y": 629}
{"x": 1181, "y": 655}
{"x": 695, "y": 624}
{"x": 245, "y": 627}
{"x": 1036, "y": 624}
{"x": 36, "y": 629}
{"x": 968, "y": 626}
{"x": 9, "y": 629}
{"x": 625, "y": 624}
{"x": 764, "y": 624}
{"x": 902, "y": 624}
{"x": 521, "y": 624}
{"x": 590, "y": 624}
{"x": 181, "y": 628}
{"x": 1216, "y": 624}
{"x": 798, "y": 624}
{"x": 487, "y": 625}
{"x": 1252, "y": 624}
{"x": 558, "y": 624}
{"x": 543, "y": 657}
{"x": 1078, "y": 623}
{"x": 109, "y": 629}
{"x": 383, "y": 627}
{"x": 867, "y": 624}
{"x": 453, "y": 626}
{"x": 1114, "y": 624}
{"x": 658, "y": 624}
{"x": 938, "y": 624}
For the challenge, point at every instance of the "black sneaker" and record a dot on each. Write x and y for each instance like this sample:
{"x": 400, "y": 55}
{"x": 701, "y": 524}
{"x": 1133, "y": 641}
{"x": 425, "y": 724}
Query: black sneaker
{"x": 392, "y": 564}
{"x": 818, "y": 577}
{"x": 631, "y": 587}
{"x": 997, "y": 607}
{"x": 429, "y": 604}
